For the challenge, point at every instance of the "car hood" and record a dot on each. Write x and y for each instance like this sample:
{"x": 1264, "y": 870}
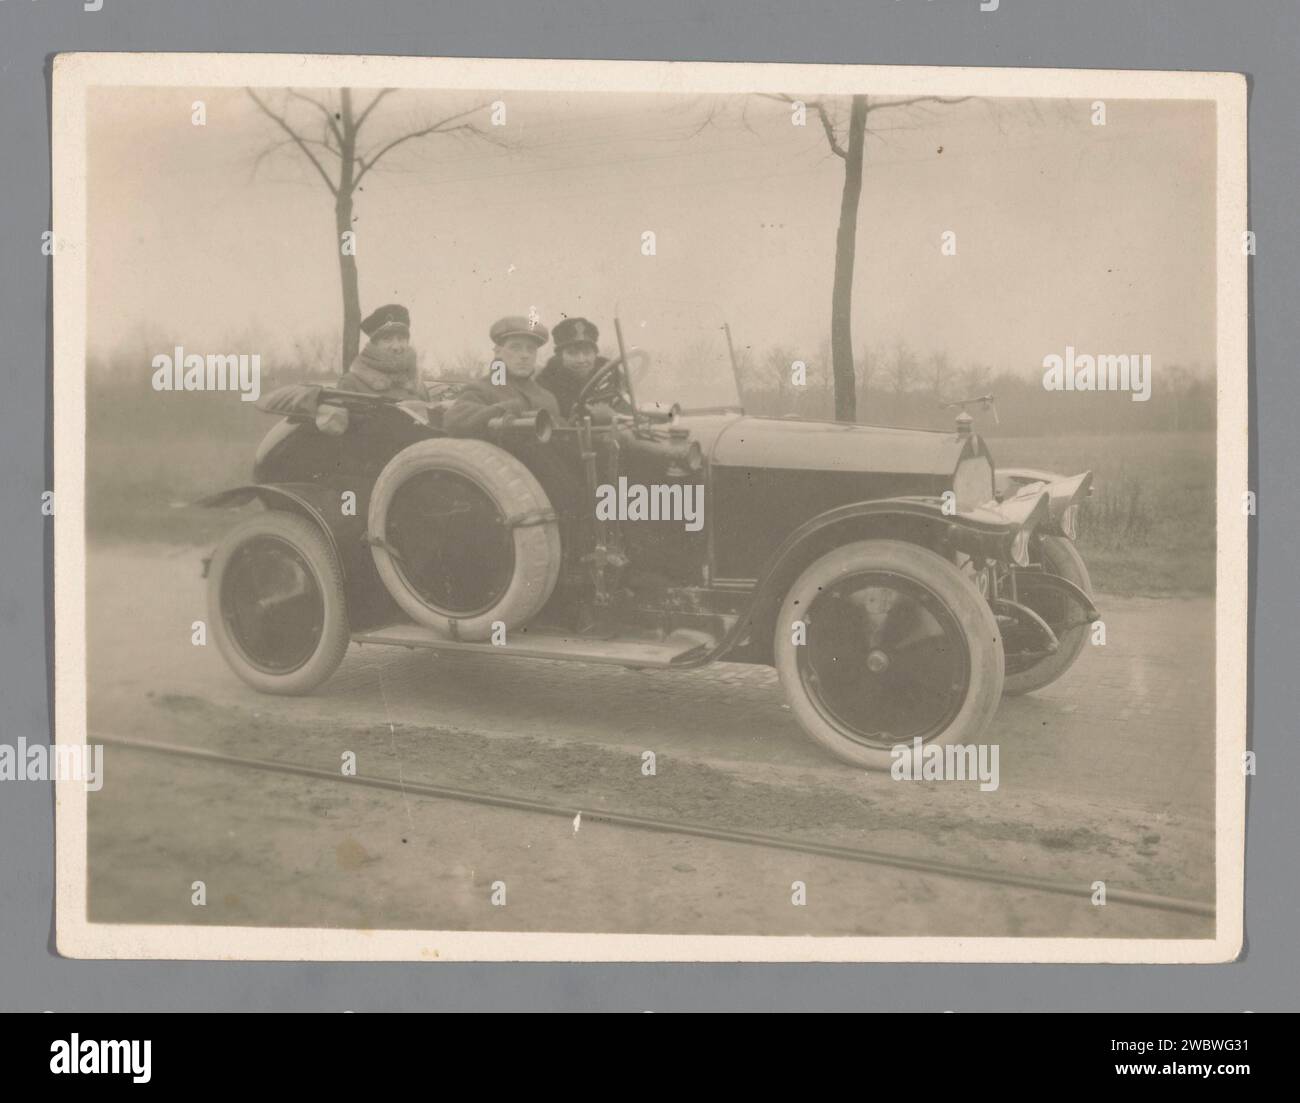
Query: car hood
{"x": 763, "y": 442}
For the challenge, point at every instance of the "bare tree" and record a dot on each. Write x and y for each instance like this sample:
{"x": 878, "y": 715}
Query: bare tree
{"x": 746, "y": 370}
{"x": 973, "y": 380}
{"x": 939, "y": 372}
{"x": 313, "y": 352}
{"x": 1176, "y": 383}
{"x": 848, "y": 147}
{"x": 903, "y": 369}
{"x": 336, "y": 153}
{"x": 867, "y": 362}
{"x": 778, "y": 365}
{"x": 465, "y": 365}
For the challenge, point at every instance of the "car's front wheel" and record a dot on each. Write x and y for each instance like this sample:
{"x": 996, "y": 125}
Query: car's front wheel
{"x": 276, "y": 603}
{"x": 881, "y": 642}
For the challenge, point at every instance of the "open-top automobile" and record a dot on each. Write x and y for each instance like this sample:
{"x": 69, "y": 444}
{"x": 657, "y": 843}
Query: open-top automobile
{"x": 897, "y": 581}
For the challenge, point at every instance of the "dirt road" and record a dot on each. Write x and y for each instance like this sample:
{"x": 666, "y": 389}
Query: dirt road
{"x": 1106, "y": 776}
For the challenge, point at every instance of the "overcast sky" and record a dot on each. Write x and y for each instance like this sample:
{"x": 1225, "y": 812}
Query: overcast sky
{"x": 1067, "y": 233}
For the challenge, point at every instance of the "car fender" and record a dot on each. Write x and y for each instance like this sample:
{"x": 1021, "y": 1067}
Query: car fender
{"x": 979, "y": 530}
{"x": 921, "y": 520}
{"x": 1063, "y": 492}
{"x": 1007, "y": 480}
{"x": 319, "y": 503}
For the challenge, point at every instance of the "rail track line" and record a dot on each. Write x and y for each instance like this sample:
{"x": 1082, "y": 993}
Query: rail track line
{"x": 671, "y": 827}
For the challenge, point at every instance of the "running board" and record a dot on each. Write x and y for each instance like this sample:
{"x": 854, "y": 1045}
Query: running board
{"x": 650, "y": 650}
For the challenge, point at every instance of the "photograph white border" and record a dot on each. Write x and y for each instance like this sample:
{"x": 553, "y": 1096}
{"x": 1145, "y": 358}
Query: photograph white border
{"x": 75, "y": 74}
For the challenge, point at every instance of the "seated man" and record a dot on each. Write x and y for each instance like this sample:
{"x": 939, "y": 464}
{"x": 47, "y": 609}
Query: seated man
{"x": 509, "y": 389}
{"x": 575, "y": 361}
{"x": 386, "y": 366}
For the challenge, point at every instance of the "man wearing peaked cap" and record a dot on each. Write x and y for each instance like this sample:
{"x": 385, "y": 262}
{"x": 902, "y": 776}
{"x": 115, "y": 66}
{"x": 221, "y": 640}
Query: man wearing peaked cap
{"x": 510, "y": 387}
{"x": 518, "y": 326}
{"x": 575, "y": 361}
{"x": 575, "y": 333}
{"x": 387, "y": 365}
{"x": 393, "y": 318}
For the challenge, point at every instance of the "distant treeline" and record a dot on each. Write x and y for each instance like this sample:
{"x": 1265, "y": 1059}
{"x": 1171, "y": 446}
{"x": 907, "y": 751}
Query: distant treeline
{"x": 1023, "y": 407}
{"x": 895, "y": 386}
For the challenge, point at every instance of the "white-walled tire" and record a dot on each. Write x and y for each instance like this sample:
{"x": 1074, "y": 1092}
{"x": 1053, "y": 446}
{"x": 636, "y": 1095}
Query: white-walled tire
{"x": 463, "y": 536}
{"x": 276, "y": 604}
{"x": 898, "y": 645}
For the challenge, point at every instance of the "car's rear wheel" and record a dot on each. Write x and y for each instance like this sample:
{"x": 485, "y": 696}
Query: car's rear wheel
{"x": 1063, "y": 616}
{"x": 897, "y": 645}
{"x": 276, "y": 604}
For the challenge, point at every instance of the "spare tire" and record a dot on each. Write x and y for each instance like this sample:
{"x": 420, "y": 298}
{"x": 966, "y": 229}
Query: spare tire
{"x": 463, "y": 536}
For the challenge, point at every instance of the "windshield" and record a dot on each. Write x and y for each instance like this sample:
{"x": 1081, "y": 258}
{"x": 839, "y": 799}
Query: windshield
{"x": 678, "y": 354}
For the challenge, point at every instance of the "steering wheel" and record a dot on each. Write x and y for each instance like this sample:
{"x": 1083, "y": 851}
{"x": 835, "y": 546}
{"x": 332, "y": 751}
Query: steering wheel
{"x": 609, "y": 382}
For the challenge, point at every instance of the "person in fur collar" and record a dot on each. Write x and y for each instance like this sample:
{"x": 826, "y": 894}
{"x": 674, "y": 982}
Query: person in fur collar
{"x": 576, "y": 360}
{"x": 386, "y": 366}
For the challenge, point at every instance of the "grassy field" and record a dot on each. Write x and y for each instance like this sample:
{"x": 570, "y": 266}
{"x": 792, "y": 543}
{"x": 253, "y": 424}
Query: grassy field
{"x": 1149, "y": 527}
{"x": 146, "y": 459}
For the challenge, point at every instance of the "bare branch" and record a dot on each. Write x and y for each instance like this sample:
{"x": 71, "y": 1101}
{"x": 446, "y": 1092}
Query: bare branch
{"x": 822, "y": 114}
{"x": 744, "y": 117}
{"x": 484, "y": 135}
{"x": 469, "y": 128}
{"x": 274, "y": 146}
{"x": 372, "y": 105}
{"x": 322, "y": 108}
{"x": 326, "y": 133}
{"x": 367, "y": 162}
{"x": 828, "y": 125}
{"x": 836, "y": 148}
{"x": 295, "y": 138}
{"x": 995, "y": 115}
{"x": 710, "y": 114}
{"x": 257, "y": 162}
{"x": 879, "y": 105}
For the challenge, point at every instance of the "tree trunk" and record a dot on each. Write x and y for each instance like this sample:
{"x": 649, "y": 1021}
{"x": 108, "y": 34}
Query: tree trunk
{"x": 845, "y": 250}
{"x": 342, "y": 224}
{"x": 348, "y": 275}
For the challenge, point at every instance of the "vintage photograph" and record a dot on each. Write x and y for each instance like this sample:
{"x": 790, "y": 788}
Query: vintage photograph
{"x": 634, "y": 511}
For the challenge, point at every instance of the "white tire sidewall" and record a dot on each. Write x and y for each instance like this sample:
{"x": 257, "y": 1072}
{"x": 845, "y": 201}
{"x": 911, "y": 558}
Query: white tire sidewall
{"x": 924, "y": 567}
{"x": 307, "y": 539}
{"x": 536, "y": 546}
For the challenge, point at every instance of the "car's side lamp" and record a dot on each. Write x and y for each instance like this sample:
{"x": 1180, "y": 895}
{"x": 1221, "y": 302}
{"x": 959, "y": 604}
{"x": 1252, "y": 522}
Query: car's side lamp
{"x": 1026, "y": 511}
{"x": 331, "y": 420}
{"x": 657, "y": 411}
{"x": 687, "y": 459}
{"x": 1020, "y": 547}
{"x": 1070, "y": 521}
{"x": 536, "y": 425}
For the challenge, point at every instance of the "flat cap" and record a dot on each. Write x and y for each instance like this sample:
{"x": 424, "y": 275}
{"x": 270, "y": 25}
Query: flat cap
{"x": 518, "y": 326}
